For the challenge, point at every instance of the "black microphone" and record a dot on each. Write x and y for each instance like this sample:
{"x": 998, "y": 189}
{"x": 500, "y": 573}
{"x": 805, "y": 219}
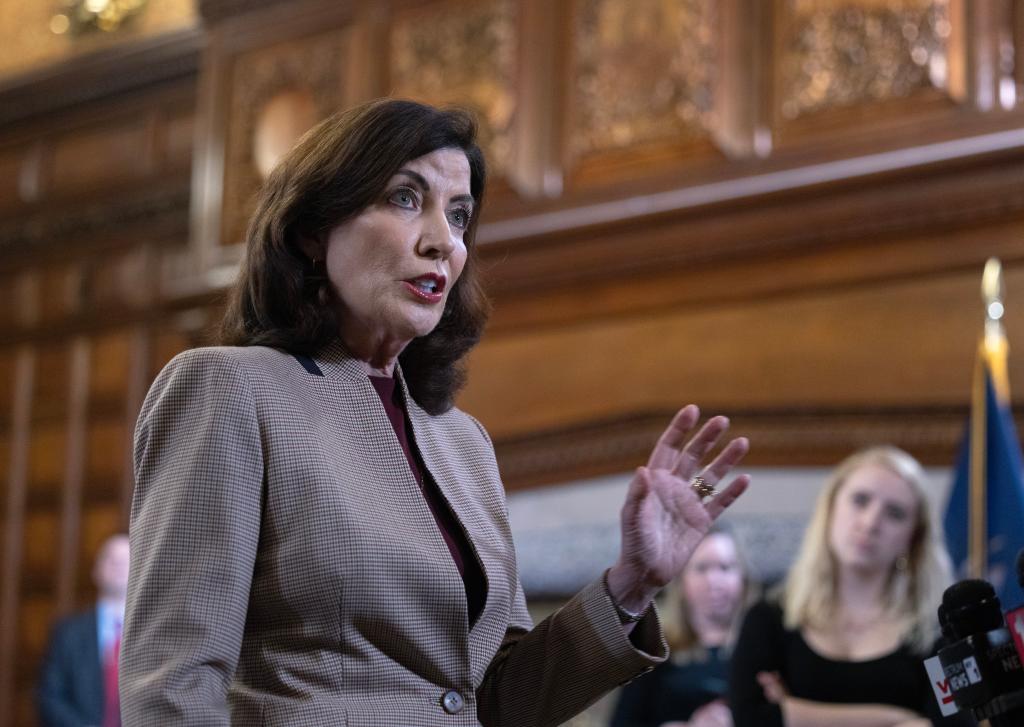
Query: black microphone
{"x": 982, "y": 666}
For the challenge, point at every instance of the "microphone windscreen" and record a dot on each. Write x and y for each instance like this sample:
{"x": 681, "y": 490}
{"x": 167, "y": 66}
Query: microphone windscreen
{"x": 971, "y": 607}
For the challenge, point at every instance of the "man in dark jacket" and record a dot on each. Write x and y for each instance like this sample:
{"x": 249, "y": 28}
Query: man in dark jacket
{"x": 78, "y": 683}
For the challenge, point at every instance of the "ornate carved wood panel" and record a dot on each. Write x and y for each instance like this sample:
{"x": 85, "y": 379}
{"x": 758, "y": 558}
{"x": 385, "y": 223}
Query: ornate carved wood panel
{"x": 653, "y": 55}
{"x": 461, "y": 52}
{"x": 838, "y": 54}
{"x": 846, "y": 64}
{"x": 658, "y": 55}
{"x": 300, "y": 80}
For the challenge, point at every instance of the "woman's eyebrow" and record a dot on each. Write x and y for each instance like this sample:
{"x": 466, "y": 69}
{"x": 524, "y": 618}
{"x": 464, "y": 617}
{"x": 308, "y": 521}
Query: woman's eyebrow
{"x": 421, "y": 181}
{"x": 416, "y": 177}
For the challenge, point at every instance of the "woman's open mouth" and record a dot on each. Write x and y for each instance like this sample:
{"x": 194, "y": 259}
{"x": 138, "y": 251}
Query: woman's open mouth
{"x": 428, "y": 288}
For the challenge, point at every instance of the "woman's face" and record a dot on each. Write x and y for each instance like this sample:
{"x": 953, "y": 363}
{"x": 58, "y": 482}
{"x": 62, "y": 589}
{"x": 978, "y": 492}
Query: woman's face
{"x": 394, "y": 264}
{"x": 873, "y": 519}
{"x": 713, "y": 579}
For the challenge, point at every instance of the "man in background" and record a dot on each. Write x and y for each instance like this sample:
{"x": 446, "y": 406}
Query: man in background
{"x": 78, "y": 684}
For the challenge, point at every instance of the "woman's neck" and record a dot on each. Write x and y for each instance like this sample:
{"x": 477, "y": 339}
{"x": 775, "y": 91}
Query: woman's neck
{"x": 377, "y": 354}
{"x": 710, "y": 632}
{"x": 861, "y": 591}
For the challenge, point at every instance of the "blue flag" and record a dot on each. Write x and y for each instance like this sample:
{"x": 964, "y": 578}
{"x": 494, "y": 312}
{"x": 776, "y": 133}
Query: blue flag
{"x": 1004, "y": 500}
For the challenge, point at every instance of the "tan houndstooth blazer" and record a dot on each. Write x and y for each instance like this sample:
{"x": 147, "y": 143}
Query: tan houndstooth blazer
{"x": 286, "y": 570}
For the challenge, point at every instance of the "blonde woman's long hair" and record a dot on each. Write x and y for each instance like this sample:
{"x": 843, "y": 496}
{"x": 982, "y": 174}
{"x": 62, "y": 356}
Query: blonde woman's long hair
{"x": 680, "y": 634}
{"x": 809, "y": 596}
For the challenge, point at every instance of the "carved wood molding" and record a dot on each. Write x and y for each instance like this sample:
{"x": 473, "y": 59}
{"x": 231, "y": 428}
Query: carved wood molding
{"x": 910, "y": 191}
{"x": 778, "y": 438}
{"x": 102, "y": 75}
{"x": 213, "y": 11}
{"x": 151, "y": 206}
{"x": 833, "y": 56}
{"x": 312, "y": 65}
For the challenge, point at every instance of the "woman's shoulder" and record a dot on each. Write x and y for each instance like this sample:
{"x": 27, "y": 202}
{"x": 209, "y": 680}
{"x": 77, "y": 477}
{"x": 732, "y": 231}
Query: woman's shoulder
{"x": 214, "y": 357}
{"x": 230, "y": 364}
{"x": 216, "y": 372}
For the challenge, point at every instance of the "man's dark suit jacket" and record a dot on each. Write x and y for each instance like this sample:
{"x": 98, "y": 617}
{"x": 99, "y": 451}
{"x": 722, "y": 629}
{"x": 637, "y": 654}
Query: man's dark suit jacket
{"x": 70, "y": 692}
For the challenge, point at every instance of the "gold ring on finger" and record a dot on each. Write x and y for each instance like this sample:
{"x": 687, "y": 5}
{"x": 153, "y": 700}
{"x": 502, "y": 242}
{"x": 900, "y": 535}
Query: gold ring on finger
{"x": 702, "y": 488}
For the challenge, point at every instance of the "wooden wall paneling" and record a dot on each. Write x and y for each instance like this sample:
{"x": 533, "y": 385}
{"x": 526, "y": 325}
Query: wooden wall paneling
{"x": 110, "y": 372}
{"x": 12, "y": 160}
{"x": 7, "y": 371}
{"x": 983, "y": 27}
{"x": 41, "y": 548}
{"x": 17, "y": 485}
{"x": 961, "y": 66}
{"x": 787, "y": 437}
{"x": 820, "y": 350}
{"x": 22, "y": 174}
{"x": 75, "y": 455}
{"x": 108, "y": 439}
{"x": 758, "y": 276}
{"x": 742, "y": 114}
{"x": 277, "y": 92}
{"x": 59, "y": 290}
{"x": 9, "y": 299}
{"x": 599, "y": 243}
{"x": 251, "y": 62}
{"x": 1006, "y": 29}
{"x": 49, "y": 396}
{"x": 179, "y": 134}
{"x": 25, "y": 312}
{"x": 463, "y": 52}
{"x": 864, "y": 68}
{"x": 660, "y": 57}
{"x": 105, "y": 156}
{"x": 120, "y": 378}
{"x": 46, "y": 453}
{"x": 1017, "y": 40}
{"x": 535, "y": 168}
{"x": 138, "y": 381}
{"x": 36, "y": 619}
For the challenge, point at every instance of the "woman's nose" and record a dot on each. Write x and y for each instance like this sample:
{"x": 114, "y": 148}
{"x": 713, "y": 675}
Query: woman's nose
{"x": 435, "y": 237}
{"x": 871, "y": 518}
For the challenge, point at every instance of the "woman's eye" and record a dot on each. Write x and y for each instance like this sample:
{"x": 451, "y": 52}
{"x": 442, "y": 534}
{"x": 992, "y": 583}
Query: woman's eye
{"x": 459, "y": 217}
{"x": 860, "y": 499}
{"x": 896, "y": 513}
{"x": 403, "y": 197}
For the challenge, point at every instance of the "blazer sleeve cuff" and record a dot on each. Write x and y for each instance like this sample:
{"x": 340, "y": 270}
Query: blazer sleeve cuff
{"x": 636, "y": 653}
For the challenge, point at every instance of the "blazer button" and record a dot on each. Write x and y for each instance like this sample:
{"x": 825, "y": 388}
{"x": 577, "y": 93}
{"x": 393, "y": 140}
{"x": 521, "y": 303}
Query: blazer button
{"x": 452, "y": 702}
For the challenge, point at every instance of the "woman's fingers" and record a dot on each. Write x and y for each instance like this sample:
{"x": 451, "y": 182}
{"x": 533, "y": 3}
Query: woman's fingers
{"x": 670, "y": 444}
{"x": 727, "y": 496}
{"x": 728, "y": 458}
{"x": 688, "y": 463}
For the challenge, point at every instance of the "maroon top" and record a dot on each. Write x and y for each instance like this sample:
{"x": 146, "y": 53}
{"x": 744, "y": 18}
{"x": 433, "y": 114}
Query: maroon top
{"x": 454, "y": 536}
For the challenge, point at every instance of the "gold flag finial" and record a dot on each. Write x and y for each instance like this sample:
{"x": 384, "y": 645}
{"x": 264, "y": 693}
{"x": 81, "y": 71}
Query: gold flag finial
{"x": 994, "y": 344}
{"x": 992, "y": 289}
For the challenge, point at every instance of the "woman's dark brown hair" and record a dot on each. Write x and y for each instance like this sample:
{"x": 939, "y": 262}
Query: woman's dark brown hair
{"x": 337, "y": 170}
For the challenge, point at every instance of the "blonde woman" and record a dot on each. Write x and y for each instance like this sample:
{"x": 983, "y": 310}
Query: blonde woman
{"x": 842, "y": 642}
{"x": 700, "y": 615}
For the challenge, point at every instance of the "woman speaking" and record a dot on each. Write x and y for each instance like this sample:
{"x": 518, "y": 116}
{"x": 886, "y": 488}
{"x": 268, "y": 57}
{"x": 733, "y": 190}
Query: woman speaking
{"x": 319, "y": 537}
